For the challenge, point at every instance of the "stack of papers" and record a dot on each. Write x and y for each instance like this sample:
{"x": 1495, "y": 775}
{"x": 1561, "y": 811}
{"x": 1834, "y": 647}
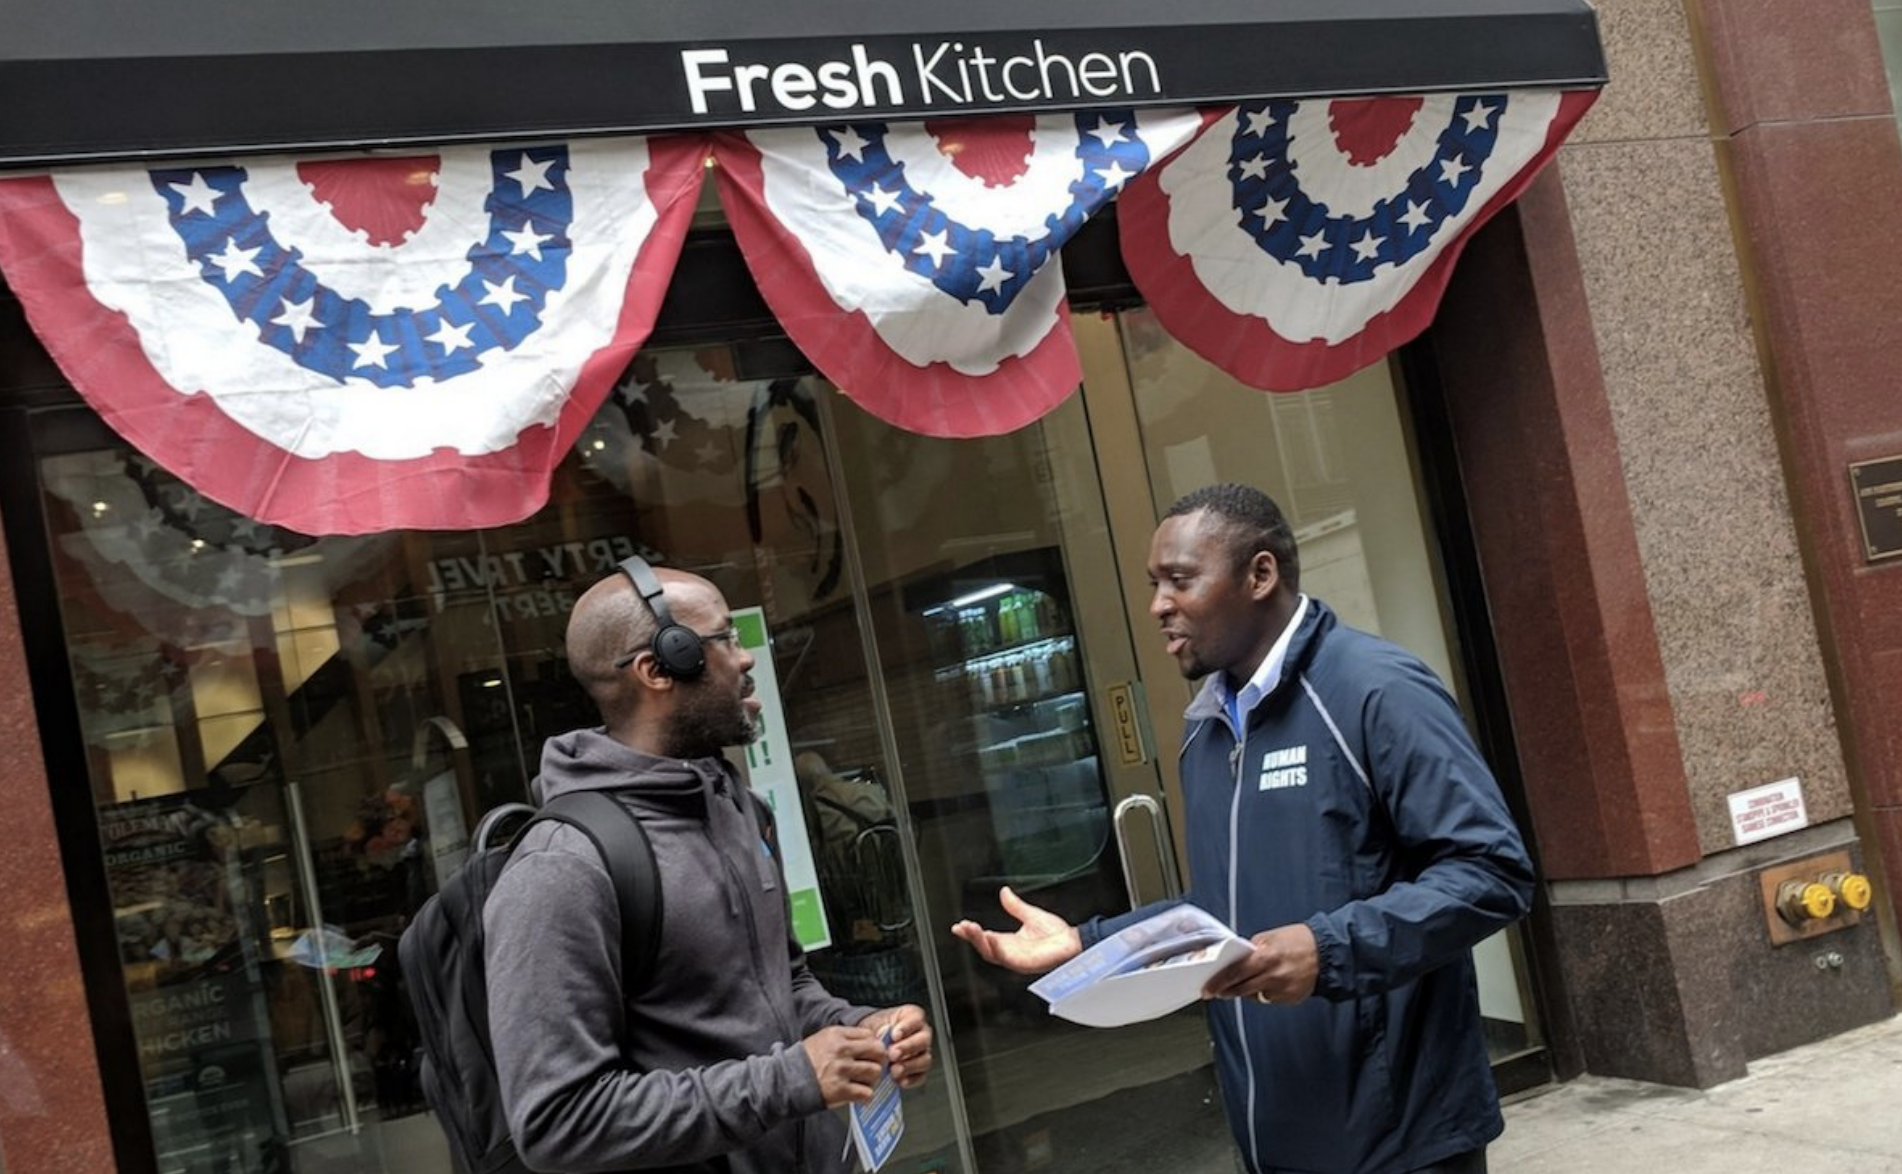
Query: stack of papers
{"x": 1154, "y": 967}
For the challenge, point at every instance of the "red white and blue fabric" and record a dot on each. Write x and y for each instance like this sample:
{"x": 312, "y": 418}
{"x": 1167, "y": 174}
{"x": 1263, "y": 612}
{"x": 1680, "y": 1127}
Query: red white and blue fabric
{"x": 915, "y": 264}
{"x": 1296, "y": 242}
{"x": 343, "y": 346}
{"x": 346, "y": 346}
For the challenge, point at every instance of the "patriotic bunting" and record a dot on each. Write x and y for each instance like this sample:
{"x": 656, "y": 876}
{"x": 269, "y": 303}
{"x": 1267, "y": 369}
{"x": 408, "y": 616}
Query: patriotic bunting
{"x": 1295, "y": 242}
{"x": 916, "y": 264}
{"x": 343, "y": 346}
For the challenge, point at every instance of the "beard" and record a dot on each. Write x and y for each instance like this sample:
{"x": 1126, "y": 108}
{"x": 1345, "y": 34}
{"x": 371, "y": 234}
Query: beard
{"x": 709, "y": 720}
{"x": 1193, "y": 669}
{"x": 1191, "y": 665}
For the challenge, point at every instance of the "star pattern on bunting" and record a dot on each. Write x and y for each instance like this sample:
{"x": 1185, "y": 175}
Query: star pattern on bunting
{"x": 372, "y": 352}
{"x": 452, "y": 338}
{"x": 1290, "y": 222}
{"x": 1297, "y": 241}
{"x": 298, "y": 318}
{"x": 236, "y": 262}
{"x": 532, "y": 175}
{"x": 197, "y": 196}
{"x": 970, "y": 262}
{"x": 526, "y": 241}
{"x": 524, "y": 259}
{"x": 352, "y": 342}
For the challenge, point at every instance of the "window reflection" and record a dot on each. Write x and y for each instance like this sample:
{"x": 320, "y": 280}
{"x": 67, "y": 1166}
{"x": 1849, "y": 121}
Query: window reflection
{"x": 288, "y": 739}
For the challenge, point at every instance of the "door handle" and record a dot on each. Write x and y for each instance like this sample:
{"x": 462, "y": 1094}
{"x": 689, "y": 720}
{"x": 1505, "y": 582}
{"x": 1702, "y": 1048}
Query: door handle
{"x": 1165, "y": 850}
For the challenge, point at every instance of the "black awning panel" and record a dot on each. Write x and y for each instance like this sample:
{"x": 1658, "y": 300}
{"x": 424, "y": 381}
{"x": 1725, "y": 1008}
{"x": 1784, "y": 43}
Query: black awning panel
{"x": 97, "y": 79}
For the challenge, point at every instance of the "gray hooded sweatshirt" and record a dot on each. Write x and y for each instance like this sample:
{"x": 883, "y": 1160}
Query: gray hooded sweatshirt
{"x": 702, "y": 1070}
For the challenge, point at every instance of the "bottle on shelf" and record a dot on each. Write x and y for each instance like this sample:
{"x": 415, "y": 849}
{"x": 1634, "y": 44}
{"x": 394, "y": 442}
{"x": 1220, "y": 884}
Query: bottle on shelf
{"x": 1063, "y": 672}
{"x": 1009, "y": 620}
{"x": 979, "y": 635}
{"x": 1042, "y": 683}
{"x": 1048, "y": 614}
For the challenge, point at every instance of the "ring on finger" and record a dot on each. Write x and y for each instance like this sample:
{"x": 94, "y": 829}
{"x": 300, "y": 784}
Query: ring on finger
{"x": 1262, "y": 997}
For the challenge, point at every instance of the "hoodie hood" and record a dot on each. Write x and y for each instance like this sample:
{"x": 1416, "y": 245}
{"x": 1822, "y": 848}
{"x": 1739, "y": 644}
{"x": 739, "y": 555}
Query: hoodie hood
{"x": 590, "y": 760}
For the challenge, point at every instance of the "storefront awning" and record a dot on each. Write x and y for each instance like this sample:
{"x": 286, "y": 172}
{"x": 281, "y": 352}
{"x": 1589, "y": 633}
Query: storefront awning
{"x": 99, "y": 79}
{"x": 348, "y": 342}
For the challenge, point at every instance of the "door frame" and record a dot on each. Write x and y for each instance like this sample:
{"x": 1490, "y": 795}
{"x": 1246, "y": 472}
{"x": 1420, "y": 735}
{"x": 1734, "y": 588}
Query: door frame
{"x": 1443, "y": 494}
{"x": 1116, "y": 433}
{"x": 26, "y": 435}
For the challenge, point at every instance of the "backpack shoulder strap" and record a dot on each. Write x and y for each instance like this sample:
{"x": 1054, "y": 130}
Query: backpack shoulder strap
{"x": 622, "y": 842}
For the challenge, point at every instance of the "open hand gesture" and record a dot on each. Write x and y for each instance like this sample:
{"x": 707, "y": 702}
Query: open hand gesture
{"x": 1042, "y": 939}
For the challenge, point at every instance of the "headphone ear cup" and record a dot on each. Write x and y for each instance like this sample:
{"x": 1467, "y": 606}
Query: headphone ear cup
{"x": 680, "y": 652}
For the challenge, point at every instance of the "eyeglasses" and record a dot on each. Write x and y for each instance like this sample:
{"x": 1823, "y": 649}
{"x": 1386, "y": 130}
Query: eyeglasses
{"x": 728, "y": 635}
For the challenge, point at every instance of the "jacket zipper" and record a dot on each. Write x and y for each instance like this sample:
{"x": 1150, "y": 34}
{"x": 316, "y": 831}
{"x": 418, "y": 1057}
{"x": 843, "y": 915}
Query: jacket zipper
{"x": 1235, "y": 757}
{"x": 738, "y": 886}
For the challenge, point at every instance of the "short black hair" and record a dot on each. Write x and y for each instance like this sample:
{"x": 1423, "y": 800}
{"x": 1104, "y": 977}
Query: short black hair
{"x": 1250, "y": 522}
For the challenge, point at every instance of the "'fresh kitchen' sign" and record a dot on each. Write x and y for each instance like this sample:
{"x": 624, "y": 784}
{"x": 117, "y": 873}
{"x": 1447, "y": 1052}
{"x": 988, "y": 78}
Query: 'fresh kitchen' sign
{"x": 952, "y": 74}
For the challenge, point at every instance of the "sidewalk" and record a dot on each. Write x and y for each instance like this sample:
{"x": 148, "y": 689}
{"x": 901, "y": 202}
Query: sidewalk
{"x": 1829, "y": 1107}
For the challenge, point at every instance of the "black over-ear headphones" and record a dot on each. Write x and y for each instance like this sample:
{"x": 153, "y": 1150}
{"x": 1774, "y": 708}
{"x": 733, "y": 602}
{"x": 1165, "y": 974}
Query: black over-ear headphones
{"x": 676, "y": 647}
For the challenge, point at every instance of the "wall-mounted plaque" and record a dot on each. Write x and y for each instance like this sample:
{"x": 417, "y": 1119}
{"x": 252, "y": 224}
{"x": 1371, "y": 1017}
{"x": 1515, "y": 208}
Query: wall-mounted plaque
{"x": 1878, "y": 489}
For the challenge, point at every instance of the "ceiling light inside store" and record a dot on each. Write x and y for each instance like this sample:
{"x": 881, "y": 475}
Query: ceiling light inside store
{"x": 983, "y": 593}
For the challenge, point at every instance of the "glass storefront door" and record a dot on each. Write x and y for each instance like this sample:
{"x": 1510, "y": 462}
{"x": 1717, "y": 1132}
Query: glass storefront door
{"x": 1028, "y": 699}
{"x": 1342, "y": 465}
{"x": 288, "y": 739}
{"x": 992, "y": 577}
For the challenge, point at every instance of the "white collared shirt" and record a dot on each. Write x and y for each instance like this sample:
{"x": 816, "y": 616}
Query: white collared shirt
{"x": 1267, "y": 675}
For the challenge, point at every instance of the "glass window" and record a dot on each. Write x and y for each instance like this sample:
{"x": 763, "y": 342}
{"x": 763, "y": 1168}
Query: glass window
{"x": 289, "y": 739}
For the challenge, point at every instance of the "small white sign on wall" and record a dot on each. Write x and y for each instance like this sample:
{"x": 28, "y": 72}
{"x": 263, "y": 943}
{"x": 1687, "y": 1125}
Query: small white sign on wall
{"x": 1769, "y": 810}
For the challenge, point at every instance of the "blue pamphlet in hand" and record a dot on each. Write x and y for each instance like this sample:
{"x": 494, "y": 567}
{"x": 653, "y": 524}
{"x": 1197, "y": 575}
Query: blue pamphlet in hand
{"x": 879, "y": 1123}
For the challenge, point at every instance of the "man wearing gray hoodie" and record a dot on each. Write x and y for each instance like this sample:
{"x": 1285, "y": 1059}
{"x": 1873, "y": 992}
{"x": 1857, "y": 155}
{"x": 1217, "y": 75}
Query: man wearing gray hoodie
{"x": 729, "y": 1058}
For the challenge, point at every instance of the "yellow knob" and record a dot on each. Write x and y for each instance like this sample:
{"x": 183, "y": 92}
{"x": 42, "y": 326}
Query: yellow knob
{"x": 1851, "y": 888}
{"x": 1818, "y": 901}
{"x": 1801, "y": 901}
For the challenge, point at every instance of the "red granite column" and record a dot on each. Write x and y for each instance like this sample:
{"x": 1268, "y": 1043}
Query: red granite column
{"x": 1806, "y": 130}
{"x": 52, "y": 1111}
{"x": 1592, "y": 717}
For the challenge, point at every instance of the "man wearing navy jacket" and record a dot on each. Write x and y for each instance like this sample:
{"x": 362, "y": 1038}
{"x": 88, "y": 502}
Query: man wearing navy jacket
{"x": 1339, "y": 816}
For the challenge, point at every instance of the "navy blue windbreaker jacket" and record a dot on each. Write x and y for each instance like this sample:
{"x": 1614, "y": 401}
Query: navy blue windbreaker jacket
{"x": 1357, "y": 804}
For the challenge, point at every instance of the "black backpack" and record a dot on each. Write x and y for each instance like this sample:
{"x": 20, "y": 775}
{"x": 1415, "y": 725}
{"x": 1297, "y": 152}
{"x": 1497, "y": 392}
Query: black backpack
{"x": 442, "y": 964}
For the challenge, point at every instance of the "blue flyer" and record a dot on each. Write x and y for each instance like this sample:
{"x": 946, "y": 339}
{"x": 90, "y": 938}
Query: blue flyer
{"x": 879, "y": 1123}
